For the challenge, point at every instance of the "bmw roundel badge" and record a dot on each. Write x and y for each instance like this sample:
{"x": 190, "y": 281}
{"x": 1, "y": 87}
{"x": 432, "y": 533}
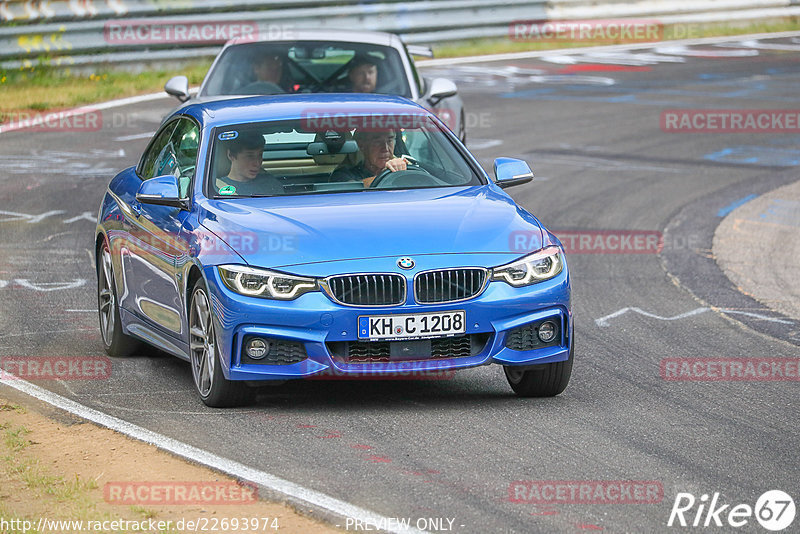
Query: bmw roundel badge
{"x": 405, "y": 263}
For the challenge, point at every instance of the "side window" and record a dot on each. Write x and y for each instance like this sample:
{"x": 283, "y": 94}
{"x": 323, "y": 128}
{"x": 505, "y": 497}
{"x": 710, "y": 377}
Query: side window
{"x": 174, "y": 152}
{"x": 155, "y": 152}
{"x": 183, "y": 145}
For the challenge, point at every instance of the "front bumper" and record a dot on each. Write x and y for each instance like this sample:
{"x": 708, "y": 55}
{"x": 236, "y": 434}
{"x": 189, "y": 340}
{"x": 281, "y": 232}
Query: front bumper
{"x": 318, "y": 323}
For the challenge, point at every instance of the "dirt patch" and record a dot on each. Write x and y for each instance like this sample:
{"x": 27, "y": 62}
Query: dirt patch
{"x": 81, "y": 472}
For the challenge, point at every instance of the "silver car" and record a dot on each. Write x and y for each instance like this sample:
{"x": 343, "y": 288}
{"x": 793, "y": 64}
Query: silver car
{"x": 326, "y": 61}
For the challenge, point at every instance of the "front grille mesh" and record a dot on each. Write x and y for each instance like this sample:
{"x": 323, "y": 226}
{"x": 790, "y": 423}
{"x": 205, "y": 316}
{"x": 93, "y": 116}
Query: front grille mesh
{"x": 380, "y": 351}
{"x": 368, "y": 289}
{"x": 364, "y": 351}
{"x": 449, "y": 285}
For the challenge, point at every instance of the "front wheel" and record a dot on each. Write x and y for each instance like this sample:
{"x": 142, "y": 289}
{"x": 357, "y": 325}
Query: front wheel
{"x": 546, "y": 380}
{"x": 214, "y": 389}
{"x": 115, "y": 342}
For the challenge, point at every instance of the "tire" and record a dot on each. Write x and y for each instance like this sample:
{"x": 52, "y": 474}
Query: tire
{"x": 115, "y": 342}
{"x": 546, "y": 380}
{"x": 213, "y": 388}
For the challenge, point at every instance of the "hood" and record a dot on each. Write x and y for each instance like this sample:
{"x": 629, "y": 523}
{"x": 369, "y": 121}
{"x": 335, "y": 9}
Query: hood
{"x": 292, "y": 230}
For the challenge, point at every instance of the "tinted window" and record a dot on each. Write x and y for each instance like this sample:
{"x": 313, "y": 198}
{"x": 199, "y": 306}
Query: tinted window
{"x": 305, "y": 67}
{"x": 309, "y": 156}
{"x": 155, "y": 152}
{"x": 174, "y": 152}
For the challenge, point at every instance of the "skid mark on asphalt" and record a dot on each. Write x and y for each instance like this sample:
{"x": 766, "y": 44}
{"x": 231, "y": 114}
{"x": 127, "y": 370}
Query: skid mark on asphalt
{"x": 602, "y": 322}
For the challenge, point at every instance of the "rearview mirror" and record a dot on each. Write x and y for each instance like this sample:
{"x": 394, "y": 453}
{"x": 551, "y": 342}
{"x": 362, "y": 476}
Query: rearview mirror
{"x": 161, "y": 191}
{"x": 441, "y": 88}
{"x": 510, "y": 171}
{"x": 178, "y": 87}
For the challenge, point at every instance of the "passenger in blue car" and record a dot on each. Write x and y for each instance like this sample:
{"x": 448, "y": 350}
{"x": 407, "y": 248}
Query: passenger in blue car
{"x": 376, "y": 154}
{"x": 246, "y": 177}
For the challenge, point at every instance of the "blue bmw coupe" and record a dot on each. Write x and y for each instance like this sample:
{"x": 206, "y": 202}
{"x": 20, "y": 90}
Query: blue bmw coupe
{"x": 297, "y": 236}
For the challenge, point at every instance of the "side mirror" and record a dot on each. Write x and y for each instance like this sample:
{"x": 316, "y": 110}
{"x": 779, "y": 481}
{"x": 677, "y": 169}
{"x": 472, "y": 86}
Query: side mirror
{"x": 178, "y": 87}
{"x": 161, "y": 191}
{"x": 510, "y": 171}
{"x": 441, "y": 88}
{"x": 420, "y": 50}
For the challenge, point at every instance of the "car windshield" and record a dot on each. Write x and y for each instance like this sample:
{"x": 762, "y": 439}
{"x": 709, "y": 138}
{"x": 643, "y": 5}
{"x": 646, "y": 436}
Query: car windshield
{"x": 332, "y": 154}
{"x": 307, "y": 67}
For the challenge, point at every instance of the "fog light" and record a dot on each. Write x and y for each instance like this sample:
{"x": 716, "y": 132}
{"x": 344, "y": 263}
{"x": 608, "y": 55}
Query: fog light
{"x": 257, "y": 348}
{"x": 547, "y": 332}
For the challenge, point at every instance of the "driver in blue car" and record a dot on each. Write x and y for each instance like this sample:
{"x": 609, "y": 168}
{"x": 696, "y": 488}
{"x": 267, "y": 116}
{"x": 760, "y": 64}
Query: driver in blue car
{"x": 246, "y": 177}
{"x": 377, "y": 149}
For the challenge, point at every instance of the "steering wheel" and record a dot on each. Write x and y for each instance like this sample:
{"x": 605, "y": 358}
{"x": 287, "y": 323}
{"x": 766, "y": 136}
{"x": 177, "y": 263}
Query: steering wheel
{"x": 411, "y": 165}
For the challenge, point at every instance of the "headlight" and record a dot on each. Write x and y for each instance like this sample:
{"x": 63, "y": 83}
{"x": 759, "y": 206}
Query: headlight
{"x": 539, "y": 266}
{"x": 263, "y": 283}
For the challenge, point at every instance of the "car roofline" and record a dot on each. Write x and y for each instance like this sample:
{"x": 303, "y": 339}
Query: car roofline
{"x": 337, "y": 35}
{"x": 220, "y": 111}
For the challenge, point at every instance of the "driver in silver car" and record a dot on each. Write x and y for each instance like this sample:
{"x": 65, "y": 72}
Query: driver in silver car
{"x": 377, "y": 149}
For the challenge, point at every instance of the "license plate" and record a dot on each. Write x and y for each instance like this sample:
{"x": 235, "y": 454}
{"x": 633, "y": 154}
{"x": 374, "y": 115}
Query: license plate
{"x": 414, "y": 326}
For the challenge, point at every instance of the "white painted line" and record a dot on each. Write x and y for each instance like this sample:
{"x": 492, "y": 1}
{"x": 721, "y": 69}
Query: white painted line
{"x": 82, "y": 110}
{"x": 759, "y": 316}
{"x": 607, "y": 48}
{"x": 134, "y": 136}
{"x": 602, "y": 322}
{"x": 230, "y": 467}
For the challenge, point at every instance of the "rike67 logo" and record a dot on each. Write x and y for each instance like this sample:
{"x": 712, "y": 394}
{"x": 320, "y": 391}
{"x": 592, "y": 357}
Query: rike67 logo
{"x": 774, "y": 510}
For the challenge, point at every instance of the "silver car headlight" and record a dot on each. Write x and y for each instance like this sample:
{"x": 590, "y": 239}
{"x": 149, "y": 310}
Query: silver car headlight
{"x": 537, "y": 267}
{"x": 264, "y": 283}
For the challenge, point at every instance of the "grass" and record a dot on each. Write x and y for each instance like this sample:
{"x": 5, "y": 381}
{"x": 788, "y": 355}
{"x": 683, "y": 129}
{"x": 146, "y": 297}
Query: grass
{"x": 5, "y": 407}
{"x": 144, "y": 512}
{"x": 16, "y": 523}
{"x": 42, "y": 87}
{"x": 675, "y": 31}
{"x": 66, "y": 497}
{"x": 34, "y": 476}
{"x": 45, "y": 88}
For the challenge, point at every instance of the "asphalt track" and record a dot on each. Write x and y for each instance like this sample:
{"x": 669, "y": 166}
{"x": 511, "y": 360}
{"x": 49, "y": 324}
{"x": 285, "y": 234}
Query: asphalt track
{"x": 589, "y": 126}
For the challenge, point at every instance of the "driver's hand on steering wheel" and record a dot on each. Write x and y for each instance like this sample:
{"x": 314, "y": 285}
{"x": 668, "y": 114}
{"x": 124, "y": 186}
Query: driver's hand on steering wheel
{"x": 394, "y": 165}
